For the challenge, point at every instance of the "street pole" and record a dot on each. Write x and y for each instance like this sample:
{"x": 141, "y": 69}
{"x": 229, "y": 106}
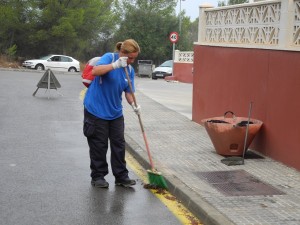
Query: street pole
{"x": 173, "y": 53}
{"x": 180, "y": 17}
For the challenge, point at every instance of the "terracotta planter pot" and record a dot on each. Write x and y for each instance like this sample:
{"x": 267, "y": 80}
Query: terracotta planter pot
{"x": 228, "y": 134}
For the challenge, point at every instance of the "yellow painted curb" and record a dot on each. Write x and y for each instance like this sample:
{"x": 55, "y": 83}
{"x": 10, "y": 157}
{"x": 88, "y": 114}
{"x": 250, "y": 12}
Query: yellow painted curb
{"x": 169, "y": 200}
{"x": 82, "y": 94}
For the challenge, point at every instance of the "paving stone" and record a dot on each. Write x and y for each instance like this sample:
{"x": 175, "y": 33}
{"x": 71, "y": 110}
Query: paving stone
{"x": 182, "y": 147}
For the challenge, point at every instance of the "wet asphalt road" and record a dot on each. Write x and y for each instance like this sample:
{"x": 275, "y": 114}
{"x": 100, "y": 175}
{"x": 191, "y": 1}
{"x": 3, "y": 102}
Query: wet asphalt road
{"x": 44, "y": 163}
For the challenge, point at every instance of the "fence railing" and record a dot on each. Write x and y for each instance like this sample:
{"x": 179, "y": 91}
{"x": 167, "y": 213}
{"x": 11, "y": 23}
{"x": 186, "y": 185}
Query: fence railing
{"x": 272, "y": 24}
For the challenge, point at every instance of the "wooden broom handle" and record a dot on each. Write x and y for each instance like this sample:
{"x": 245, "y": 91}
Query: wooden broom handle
{"x": 140, "y": 121}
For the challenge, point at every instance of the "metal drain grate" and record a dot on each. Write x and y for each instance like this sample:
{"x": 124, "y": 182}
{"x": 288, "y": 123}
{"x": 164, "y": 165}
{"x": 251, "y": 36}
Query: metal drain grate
{"x": 238, "y": 183}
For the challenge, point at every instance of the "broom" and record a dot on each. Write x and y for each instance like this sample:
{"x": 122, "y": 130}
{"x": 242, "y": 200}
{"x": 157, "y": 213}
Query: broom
{"x": 155, "y": 178}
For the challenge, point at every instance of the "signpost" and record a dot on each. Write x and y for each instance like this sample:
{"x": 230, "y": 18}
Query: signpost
{"x": 174, "y": 37}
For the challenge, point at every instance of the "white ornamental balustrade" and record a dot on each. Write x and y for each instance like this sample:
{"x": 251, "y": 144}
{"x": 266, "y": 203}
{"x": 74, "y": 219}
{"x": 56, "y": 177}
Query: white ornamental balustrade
{"x": 265, "y": 24}
{"x": 184, "y": 56}
{"x": 296, "y": 31}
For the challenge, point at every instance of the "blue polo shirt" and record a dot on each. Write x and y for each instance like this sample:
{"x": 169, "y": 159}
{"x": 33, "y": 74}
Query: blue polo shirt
{"x": 103, "y": 98}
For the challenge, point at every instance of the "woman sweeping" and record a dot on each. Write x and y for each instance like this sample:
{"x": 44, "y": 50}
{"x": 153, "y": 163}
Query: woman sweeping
{"x": 103, "y": 114}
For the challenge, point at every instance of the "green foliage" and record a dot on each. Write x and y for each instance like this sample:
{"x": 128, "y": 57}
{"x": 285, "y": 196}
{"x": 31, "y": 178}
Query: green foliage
{"x": 85, "y": 29}
{"x": 189, "y": 34}
{"x": 11, "y": 52}
{"x": 149, "y": 23}
{"x": 221, "y": 3}
{"x": 52, "y": 26}
{"x": 232, "y": 2}
{"x": 12, "y": 17}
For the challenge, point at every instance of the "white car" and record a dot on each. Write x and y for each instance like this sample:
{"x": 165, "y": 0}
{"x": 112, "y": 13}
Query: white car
{"x": 164, "y": 70}
{"x": 54, "y": 62}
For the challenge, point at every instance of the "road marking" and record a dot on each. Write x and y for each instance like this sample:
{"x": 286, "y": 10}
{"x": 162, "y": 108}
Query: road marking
{"x": 169, "y": 200}
{"x": 82, "y": 94}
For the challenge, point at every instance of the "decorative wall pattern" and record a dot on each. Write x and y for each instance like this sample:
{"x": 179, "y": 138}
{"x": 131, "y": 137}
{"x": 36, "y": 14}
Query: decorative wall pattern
{"x": 245, "y": 25}
{"x": 185, "y": 57}
{"x": 268, "y": 24}
{"x": 296, "y": 33}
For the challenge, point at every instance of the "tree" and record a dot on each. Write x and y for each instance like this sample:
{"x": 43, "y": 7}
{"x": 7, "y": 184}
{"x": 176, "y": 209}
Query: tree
{"x": 189, "y": 34}
{"x": 149, "y": 23}
{"x": 232, "y": 2}
{"x": 61, "y": 26}
{"x": 14, "y": 16}
{"x": 70, "y": 26}
{"x": 221, "y": 3}
{"x": 85, "y": 29}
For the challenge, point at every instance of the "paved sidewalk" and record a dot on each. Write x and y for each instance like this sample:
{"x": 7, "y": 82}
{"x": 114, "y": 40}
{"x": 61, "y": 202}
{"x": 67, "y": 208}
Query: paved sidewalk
{"x": 182, "y": 151}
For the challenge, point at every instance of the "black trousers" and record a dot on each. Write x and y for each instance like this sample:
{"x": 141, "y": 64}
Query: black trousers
{"x": 98, "y": 132}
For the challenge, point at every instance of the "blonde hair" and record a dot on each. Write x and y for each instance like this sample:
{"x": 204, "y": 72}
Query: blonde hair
{"x": 128, "y": 46}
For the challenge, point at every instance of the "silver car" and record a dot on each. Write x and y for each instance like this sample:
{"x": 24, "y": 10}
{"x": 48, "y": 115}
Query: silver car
{"x": 54, "y": 62}
{"x": 164, "y": 70}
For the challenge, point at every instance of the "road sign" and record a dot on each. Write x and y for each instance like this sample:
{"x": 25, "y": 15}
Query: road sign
{"x": 174, "y": 36}
{"x": 48, "y": 81}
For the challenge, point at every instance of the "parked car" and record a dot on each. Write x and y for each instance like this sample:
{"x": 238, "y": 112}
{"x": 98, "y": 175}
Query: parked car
{"x": 164, "y": 70}
{"x": 54, "y": 62}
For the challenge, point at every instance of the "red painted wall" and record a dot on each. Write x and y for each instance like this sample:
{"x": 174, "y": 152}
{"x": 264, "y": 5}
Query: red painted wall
{"x": 229, "y": 78}
{"x": 183, "y": 72}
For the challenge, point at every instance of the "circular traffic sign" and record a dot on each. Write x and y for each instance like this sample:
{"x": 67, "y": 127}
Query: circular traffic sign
{"x": 174, "y": 36}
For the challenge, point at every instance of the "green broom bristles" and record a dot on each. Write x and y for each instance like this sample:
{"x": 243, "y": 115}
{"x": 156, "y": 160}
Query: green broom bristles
{"x": 156, "y": 179}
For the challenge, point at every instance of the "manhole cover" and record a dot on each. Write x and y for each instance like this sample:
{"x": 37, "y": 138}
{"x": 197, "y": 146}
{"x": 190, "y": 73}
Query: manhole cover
{"x": 238, "y": 183}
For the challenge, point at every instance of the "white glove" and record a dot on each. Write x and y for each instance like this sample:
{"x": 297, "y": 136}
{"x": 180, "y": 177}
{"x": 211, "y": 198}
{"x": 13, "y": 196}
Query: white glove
{"x": 136, "y": 109}
{"x": 121, "y": 62}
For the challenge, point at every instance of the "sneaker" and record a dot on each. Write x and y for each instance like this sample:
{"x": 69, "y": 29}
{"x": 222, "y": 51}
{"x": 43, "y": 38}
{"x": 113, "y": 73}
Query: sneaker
{"x": 125, "y": 182}
{"x": 100, "y": 183}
